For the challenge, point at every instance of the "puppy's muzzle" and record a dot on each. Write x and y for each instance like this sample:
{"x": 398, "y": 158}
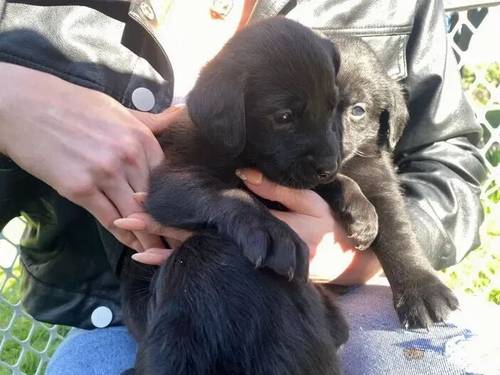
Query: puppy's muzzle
{"x": 326, "y": 169}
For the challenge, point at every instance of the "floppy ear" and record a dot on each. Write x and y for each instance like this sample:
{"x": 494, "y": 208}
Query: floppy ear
{"x": 394, "y": 117}
{"x": 217, "y": 106}
{"x": 333, "y": 52}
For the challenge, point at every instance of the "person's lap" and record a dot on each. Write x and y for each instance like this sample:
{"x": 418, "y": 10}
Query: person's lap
{"x": 466, "y": 344}
{"x": 104, "y": 351}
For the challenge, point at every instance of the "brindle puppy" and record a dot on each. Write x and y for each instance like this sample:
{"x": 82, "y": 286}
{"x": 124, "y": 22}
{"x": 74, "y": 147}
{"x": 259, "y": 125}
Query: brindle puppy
{"x": 374, "y": 115}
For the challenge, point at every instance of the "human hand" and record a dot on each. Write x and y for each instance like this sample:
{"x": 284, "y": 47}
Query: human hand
{"x": 332, "y": 255}
{"x": 83, "y": 143}
{"x": 143, "y": 222}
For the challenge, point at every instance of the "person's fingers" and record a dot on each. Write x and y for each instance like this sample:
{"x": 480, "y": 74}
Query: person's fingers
{"x": 121, "y": 194}
{"x": 144, "y": 222}
{"x": 154, "y": 154}
{"x": 306, "y": 202}
{"x": 106, "y": 213}
{"x": 152, "y": 256}
{"x": 174, "y": 243}
{"x": 306, "y": 226}
{"x": 137, "y": 172}
{"x": 131, "y": 224}
{"x": 158, "y": 122}
{"x": 140, "y": 197}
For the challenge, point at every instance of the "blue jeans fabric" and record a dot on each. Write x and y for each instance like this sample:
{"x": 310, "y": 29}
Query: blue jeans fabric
{"x": 468, "y": 343}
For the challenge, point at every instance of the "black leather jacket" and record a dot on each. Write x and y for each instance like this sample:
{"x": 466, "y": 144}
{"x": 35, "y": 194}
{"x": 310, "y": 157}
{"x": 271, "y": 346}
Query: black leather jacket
{"x": 110, "y": 46}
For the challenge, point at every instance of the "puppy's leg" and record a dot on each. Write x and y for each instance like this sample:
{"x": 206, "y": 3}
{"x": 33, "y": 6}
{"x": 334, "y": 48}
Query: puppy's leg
{"x": 213, "y": 314}
{"x": 192, "y": 197}
{"x": 354, "y": 209}
{"x": 338, "y": 327}
{"x": 419, "y": 295}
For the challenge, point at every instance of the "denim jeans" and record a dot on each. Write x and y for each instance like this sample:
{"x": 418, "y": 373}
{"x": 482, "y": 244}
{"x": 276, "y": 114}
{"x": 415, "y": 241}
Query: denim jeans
{"x": 468, "y": 343}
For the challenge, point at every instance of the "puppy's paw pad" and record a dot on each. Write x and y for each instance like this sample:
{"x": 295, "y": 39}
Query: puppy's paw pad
{"x": 362, "y": 227}
{"x": 362, "y": 234}
{"x": 425, "y": 302}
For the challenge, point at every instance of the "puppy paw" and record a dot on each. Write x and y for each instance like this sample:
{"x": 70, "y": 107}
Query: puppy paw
{"x": 268, "y": 242}
{"x": 423, "y": 302}
{"x": 362, "y": 223}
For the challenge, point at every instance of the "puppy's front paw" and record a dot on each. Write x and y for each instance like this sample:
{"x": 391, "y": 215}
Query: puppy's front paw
{"x": 268, "y": 242}
{"x": 423, "y": 302}
{"x": 362, "y": 223}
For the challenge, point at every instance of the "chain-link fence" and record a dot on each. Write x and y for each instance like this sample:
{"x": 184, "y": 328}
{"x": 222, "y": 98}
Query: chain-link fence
{"x": 478, "y": 56}
{"x": 26, "y": 345}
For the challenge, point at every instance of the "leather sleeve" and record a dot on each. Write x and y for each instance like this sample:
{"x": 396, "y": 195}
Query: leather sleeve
{"x": 440, "y": 167}
{"x": 80, "y": 44}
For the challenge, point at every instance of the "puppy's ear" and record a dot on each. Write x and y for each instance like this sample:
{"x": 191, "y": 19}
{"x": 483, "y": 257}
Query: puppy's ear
{"x": 217, "y": 106}
{"x": 394, "y": 117}
{"x": 333, "y": 52}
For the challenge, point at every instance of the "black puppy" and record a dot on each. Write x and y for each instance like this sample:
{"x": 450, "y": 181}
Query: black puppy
{"x": 267, "y": 100}
{"x": 374, "y": 115}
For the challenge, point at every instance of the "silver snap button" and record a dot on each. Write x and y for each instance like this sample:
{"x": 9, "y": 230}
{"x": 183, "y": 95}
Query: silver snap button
{"x": 143, "y": 99}
{"x": 101, "y": 317}
{"x": 147, "y": 10}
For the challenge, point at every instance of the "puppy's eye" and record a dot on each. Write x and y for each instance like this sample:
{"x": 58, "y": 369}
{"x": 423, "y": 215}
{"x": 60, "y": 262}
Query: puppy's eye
{"x": 283, "y": 117}
{"x": 358, "y": 110}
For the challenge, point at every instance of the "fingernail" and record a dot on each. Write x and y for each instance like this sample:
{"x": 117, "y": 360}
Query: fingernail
{"x": 250, "y": 176}
{"x": 241, "y": 175}
{"x": 159, "y": 250}
{"x": 136, "y": 245}
{"x": 118, "y": 222}
{"x": 140, "y": 197}
{"x": 139, "y": 257}
{"x": 129, "y": 224}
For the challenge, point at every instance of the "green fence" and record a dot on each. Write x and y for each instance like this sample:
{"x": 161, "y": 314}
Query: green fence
{"x": 26, "y": 345}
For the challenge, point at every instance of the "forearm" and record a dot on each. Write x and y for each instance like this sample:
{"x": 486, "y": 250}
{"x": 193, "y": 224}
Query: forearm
{"x": 440, "y": 168}
{"x": 442, "y": 186}
{"x": 3, "y": 105}
{"x": 10, "y": 104}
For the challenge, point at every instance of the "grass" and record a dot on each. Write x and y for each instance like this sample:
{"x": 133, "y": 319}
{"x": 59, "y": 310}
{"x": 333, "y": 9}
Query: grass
{"x": 479, "y": 273}
{"x": 27, "y": 341}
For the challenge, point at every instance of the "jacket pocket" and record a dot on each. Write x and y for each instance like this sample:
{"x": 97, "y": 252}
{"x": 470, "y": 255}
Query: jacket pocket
{"x": 388, "y": 43}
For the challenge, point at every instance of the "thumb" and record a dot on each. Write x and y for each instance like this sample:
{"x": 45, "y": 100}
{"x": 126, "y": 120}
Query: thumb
{"x": 158, "y": 122}
{"x": 305, "y": 202}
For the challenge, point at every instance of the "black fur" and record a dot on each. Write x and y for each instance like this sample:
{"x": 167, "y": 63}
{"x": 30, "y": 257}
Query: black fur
{"x": 211, "y": 313}
{"x": 420, "y": 298}
{"x": 265, "y": 73}
{"x": 208, "y": 310}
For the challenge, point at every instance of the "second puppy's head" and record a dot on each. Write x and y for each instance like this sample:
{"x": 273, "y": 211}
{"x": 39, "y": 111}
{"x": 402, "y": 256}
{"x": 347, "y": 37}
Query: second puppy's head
{"x": 269, "y": 100}
{"x": 373, "y": 105}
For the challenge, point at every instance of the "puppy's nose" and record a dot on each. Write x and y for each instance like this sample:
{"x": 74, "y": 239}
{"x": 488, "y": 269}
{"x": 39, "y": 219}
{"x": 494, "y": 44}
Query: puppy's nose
{"x": 326, "y": 171}
{"x": 325, "y": 176}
